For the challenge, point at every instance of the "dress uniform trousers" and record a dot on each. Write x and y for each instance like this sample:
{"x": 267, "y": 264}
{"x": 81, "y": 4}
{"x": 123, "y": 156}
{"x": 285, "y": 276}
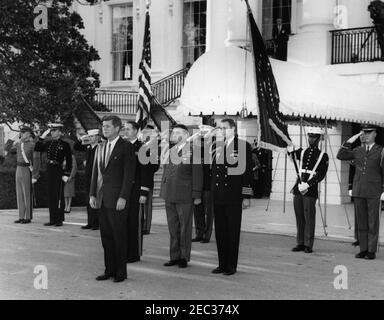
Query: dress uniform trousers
{"x": 227, "y": 232}
{"x": 23, "y": 192}
{"x": 179, "y": 217}
{"x": 367, "y": 211}
{"x": 148, "y": 212}
{"x": 134, "y": 224}
{"x": 305, "y": 211}
{"x": 203, "y": 214}
{"x": 55, "y": 193}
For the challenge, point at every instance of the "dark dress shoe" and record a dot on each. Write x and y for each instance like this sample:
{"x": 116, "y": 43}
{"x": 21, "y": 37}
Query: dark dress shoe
{"x": 49, "y": 224}
{"x": 370, "y": 256}
{"x": 86, "y": 227}
{"x": 132, "y": 260}
{"x": 183, "y": 263}
{"x": 356, "y": 243}
{"x": 59, "y": 224}
{"x": 308, "y": 250}
{"x": 361, "y": 255}
{"x": 146, "y": 232}
{"x": 204, "y": 241}
{"x": 119, "y": 279}
{"x": 197, "y": 239}
{"x": 171, "y": 263}
{"x": 298, "y": 248}
{"x": 95, "y": 228}
{"x": 217, "y": 270}
{"x": 19, "y": 221}
{"x": 65, "y": 211}
{"x": 103, "y": 277}
{"x": 26, "y": 221}
{"x": 229, "y": 272}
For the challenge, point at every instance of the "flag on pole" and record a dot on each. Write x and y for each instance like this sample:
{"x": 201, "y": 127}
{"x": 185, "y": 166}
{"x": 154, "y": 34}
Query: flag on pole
{"x": 145, "y": 91}
{"x": 273, "y": 130}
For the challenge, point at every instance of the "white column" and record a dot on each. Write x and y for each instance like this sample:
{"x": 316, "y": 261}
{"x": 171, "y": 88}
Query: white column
{"x": 227, "y": 22}
{"x": 312, "y": 44}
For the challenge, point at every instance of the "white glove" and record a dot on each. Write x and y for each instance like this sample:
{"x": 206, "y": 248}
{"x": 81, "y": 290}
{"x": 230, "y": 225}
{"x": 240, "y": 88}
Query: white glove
{"x": 382, "y": 197}
{"x": 44, "y": 135}
{"x": 291, "y": 148}
{"x": 65, "y": 179}
{"x": 34, "y": 180}
{"x": 354, "y": 138}
{"x": 350, "y": 192}
{"x": 303, "y": 187}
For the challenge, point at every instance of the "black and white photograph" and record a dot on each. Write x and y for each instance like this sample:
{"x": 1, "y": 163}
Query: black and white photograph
{"x": 200, "y": 153}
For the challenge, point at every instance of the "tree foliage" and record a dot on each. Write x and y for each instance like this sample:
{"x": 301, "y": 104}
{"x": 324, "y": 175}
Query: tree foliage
{"x": 42, "y": 72}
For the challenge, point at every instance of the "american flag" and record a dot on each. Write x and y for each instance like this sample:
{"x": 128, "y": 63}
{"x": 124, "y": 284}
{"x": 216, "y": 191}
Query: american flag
{"x": 273, "y": 130}
{"x": 145, "y": 91}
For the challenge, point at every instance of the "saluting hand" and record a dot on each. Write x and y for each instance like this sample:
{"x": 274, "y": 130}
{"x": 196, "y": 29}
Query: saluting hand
{"x": 354, "y": 138}
{"x": 121, "y": 204}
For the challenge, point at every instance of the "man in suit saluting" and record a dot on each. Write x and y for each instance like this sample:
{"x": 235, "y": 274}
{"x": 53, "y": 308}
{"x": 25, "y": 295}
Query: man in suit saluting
{"x": 111, "y": 185}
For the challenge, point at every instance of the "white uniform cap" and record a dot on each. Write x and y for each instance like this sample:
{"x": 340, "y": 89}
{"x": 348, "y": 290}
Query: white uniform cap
{"x": 315, "y": 130}
{"x": 93, "y": 132}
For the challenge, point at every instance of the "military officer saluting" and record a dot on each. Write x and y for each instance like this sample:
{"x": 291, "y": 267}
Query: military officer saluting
{"x": 57, "y": 151}
{"x": 313, "y": 166}
{"x": 368, "y": 185}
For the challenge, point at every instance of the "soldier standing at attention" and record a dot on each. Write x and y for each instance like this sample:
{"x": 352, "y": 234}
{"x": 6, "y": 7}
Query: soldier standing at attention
{"x": 313, "y": 166}
{"x": 367, "y": 188}
{"x": 57, "y": 151}
{"x": 26, "y": 173}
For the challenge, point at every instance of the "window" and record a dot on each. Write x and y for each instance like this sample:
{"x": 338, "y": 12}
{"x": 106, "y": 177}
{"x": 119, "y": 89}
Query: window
{"x": 194, "y": 29}
{"x": 122, "y": 44}
{"x": 273, "y": 9}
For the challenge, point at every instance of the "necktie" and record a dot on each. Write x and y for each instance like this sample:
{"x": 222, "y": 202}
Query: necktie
{"x": 367, "y": 149}
{"x": 108, "y": 154}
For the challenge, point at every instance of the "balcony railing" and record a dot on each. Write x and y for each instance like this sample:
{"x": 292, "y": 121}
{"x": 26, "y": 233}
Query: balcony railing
{"x": 169, "y": 88}
{"x": 118, "y": 101}
{"x": 355, "y": 45}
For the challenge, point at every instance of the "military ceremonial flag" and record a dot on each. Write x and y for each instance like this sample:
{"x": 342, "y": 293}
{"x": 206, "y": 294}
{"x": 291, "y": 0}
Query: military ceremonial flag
{"x": 273, "y": 130}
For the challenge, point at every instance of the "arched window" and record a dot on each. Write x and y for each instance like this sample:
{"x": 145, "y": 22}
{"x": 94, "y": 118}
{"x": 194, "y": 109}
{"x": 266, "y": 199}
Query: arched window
{"x": 272, "y": 10}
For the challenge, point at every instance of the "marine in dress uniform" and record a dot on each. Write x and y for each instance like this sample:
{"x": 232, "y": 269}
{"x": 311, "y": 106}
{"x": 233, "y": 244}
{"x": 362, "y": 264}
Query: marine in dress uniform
{"x": 230, "y": 187}
{"x": 140, "y": 190}
{"x": 368, "y": 185}
{"x": 313, "y": 166}
{"x": 26, "y": 173}
{"x": 88, "y": 144}
{"x": 203, "y": 213}
{"x": 57, "y": 151}
{"x": 181, "y": 188}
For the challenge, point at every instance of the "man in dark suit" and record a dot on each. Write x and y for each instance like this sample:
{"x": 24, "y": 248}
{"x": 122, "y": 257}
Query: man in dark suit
{"x": 367, "y": 189}
{"x": 181, "y": 188}
{"x": 231, "y": 185}
{"x": 140, "y": 190}
{"x": 313, "y": 167}
{"x": 88, "y": 144}
{"x": 280, "y": 34}
{"x": 111, "y": 187}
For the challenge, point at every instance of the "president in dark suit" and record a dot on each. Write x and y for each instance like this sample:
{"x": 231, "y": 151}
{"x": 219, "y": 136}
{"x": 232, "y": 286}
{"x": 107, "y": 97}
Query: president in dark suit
{"x": 367, "y": 189}
{"x": 231, "y": 184}
{"x": 280, "y": 34}
{"x": 181, "y": 188}
{"x": 111, "y": 186}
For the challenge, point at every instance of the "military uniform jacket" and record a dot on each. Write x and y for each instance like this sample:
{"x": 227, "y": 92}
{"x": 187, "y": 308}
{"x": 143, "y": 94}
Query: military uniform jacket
{"x": 369, "y": 172}
{"x": 182, "y": 182}
{"x": 57, "y": 151}
{"x": 144, "y": 173}
{"x": 227, "y": 187}
{"x": 89, "y": 158}
{"x": 310, "y": 158}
